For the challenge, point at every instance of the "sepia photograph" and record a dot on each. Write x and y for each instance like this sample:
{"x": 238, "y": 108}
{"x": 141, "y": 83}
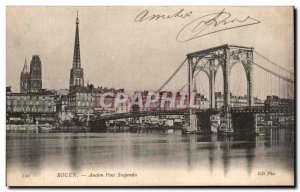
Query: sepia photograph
{"x": 163, "y": 96}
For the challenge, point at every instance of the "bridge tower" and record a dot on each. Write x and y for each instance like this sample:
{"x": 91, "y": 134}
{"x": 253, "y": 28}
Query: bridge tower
{"x": 209, "y": 61}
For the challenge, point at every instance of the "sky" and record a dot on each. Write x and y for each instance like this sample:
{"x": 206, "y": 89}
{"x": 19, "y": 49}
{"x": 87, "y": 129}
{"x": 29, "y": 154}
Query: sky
{"x": 118, "y": 52}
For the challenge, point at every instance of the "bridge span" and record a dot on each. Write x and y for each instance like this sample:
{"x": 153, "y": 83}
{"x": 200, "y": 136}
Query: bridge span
{"x": 245, "y": 117}
{"x": 276, "y": 80}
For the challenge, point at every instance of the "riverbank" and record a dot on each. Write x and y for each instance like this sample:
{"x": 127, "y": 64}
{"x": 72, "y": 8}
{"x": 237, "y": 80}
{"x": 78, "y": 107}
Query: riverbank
{"x": 33, "y": 128}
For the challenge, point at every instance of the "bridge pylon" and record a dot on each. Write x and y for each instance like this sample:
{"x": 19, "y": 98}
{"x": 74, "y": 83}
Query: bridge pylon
{"x": 226, "y": 121}
{"x": 224, "y": 57}
{"x": 193, "y": 125}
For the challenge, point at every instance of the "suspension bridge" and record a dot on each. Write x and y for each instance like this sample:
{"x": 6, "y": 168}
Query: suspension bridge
{"x": 213, "y": 70}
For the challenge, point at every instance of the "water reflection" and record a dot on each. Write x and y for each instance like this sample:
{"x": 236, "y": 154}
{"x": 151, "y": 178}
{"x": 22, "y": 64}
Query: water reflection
{"x": 74, "y": 153}
{"x": 152, "y": 150}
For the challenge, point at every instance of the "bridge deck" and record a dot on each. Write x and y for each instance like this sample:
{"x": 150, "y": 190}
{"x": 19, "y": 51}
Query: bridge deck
{"x": 233, "y": 110}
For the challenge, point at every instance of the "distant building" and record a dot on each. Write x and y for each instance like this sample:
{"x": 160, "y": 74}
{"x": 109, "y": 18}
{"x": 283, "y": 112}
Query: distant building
{"x": 144, "y": 95}
{"x": 167, "y": 105}
{"x": 62, "y": 108}
{"x": 81, "y": 101}
{"x": 31, "y": 107}
{"x": 178, "y": 100}
{"x": 275, "y": 101}
{"x": 60, "y": 91}
{"x": 258, "y": 102}
{"x": 85, "y": 100}
{"x": 109, "y": 100}
{"x": 164, "y": 101}
{"x": 236, "y": 101}
{"x": 8, "y": 90}
{"x": 24, "y": 79}
{"x": 31, "y": 80}
{"x": 35, "y": 81}
{"x": 185, "y": 103}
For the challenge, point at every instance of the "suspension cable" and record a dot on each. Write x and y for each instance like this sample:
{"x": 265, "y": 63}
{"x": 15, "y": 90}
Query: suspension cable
{"x": 193, "y": 77}
{"x": 170, "y": 78}
{"x": 273, "y": 63}
{"x": 273, "y": 73}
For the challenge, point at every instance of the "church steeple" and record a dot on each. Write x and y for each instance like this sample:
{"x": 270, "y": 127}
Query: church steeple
{"x": 77, "y": 20}
{"x": 25, "y": 68}
{"x": 76, "y": 56}
{"x": 76, "y": 74}
{"x": 24, "y": 79}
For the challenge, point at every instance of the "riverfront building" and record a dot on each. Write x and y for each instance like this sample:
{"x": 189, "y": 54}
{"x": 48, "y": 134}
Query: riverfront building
{"x": 31, "y": 107}
{"x": 272, "y": 101}
{"x": 81, "y": 101}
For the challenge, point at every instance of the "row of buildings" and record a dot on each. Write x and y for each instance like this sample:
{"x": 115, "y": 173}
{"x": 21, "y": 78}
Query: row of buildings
{"x": 84, "y": 102}
{"x": 33, "y": 103}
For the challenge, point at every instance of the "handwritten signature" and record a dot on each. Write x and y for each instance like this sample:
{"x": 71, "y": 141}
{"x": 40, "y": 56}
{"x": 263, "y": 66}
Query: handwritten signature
{"x": 212, "y": 23}
{"x": 145, "y": 16}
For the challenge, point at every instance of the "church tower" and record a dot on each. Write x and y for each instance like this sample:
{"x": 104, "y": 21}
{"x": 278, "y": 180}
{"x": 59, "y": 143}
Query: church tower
{"x": 35, "y": 74}
{"x": 24, "y": 79}
{"x": 76, "y": 74}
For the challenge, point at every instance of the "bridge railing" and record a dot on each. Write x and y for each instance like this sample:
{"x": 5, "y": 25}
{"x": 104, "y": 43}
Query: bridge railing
{"x": 263, "y": 109}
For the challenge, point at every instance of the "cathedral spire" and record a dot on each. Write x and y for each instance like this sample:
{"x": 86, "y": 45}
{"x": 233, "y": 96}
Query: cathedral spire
{"x": 24, "y": 78}
{"x": 77, "y": 20}
{"x": 25, "y": 68}
{"x": 76, "y": 73}
{"x": 76, "y": 56}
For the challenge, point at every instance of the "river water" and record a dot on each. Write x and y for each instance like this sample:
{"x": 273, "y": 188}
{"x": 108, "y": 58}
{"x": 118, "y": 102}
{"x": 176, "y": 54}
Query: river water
{"x": 156, "y": 158}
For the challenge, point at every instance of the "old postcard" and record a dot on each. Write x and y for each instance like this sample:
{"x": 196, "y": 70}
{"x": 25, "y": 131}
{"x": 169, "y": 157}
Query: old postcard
{"x": 150, "y": 96}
